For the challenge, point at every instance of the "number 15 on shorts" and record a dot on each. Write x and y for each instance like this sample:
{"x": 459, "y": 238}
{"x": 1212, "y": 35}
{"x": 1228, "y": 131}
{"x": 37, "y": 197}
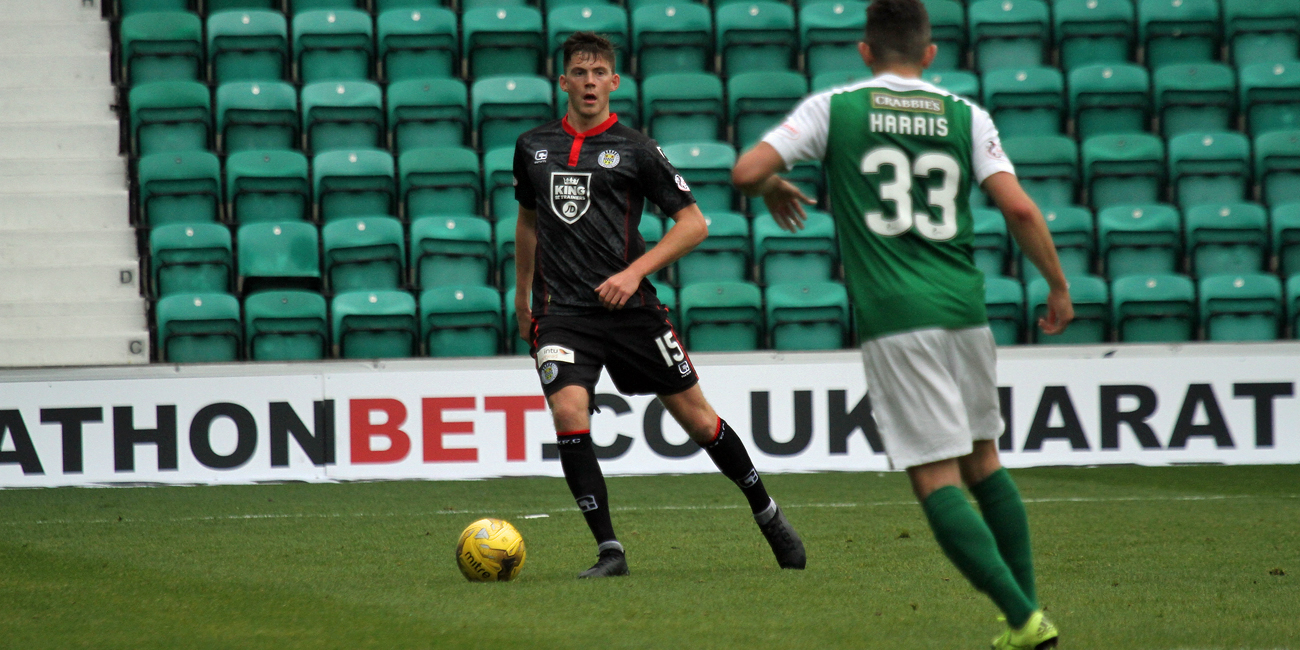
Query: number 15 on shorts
{"x": 672, "y": 352}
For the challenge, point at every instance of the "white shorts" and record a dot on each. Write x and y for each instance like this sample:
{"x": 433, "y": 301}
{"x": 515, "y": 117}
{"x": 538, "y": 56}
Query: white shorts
{"x": 933, "y": 392}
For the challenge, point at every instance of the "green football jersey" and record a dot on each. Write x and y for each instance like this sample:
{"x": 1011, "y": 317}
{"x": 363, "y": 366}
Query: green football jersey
{"x": 900, "y": 156}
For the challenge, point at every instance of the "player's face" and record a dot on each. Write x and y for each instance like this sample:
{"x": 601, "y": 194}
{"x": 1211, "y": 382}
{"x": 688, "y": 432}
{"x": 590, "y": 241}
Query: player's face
{"x": 589, "y": 80}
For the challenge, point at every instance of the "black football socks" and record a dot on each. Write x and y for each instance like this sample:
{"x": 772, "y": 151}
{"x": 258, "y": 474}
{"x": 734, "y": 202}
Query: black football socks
{"x": 587, "y": 483}
{"x": 728, "y": 453}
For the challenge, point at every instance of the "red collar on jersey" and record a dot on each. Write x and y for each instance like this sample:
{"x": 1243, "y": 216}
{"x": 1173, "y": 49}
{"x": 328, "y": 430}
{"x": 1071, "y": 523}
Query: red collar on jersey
{"x": 578, "y": 137}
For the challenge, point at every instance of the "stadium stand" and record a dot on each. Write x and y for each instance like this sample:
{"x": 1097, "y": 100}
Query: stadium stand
{"x": 303, "y": 156}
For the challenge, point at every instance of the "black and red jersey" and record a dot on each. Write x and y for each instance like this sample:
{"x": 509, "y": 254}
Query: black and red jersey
{"x": 588, "y": 189}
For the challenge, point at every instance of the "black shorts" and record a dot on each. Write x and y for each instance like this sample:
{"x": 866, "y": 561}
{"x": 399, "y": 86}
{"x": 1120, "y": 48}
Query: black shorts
{"x": 637, "y": 345}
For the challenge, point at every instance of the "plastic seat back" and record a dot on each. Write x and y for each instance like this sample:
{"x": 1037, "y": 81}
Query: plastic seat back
{"x": 248, "y": 45}
{"x": 672, "y": 37}
{"x": 354, "y": 183}
{"x": 418, "y": 43}
{"x": 503, "y": 41}
{"x": 285, "y": 325}
{"x": 1196, "y": 98}
{"x": 440, "y": 181}
{"x": 1244, "y": 307}
{"x": 1270, "y": 96}
{"x": 808, "y": 255}
{"x": 283, "y": 255}
{"x": 1110, "y": 99}
{"x": 1179, "y": 31}
{"x": 760, "y": 100}
{"x": 257, "y": 115}
{"x": 179, "y": 187}
{"x": 378, "y": 324}
{"x": 453, "y": 250}
{"x": 364, "y": 253}
{"x": 1025, "y": 101}
{"x": 990, "y": 242}
{"x": 807, "y": 315}
{"x": 829, "y": 33}
{"x": 1089, "y": 32}
{"x": 161, "y": 46}
{"x": 198, "y": 328}
{"x": 1004, "y": 299}
{"x": 683, "y": 107}
{"x": 499, "y": 183}
{"x": 1048, "y": 167}
{"x": 1154, "y": 308}
{"x": 268, "y": 186}
{"x": 957, "y": 82}
{"x": 1262, "y": 31}
{"x": 333, "y": 45}
{"x": 1091, "y": 324}
{"x": 723, "y": 255}
{"x": 170, "y": 116}
{"x": 1123, "y": 169}
{"x": 191, "y": 258}
{"x": 1139, "y": 239}
{"x": 461, "y": 321}
{"x": 1226, "y": 238}
{"x": 1009, "y": 33}
{"x": 721, "y": 316}
{"x": 1285, "y": 223}
{"x": 428, "y": 113}
{"x": 1209, "y": 168}
{"x": 507, "y": 106}
{"x": 755, "y": 36}
{"x": 1075, "y": 238}
{"x": 504, "y": 234}
{"x": 1277, "y": 166}
{"x": 706, "y": 166}
{"x": 342, "y": 115}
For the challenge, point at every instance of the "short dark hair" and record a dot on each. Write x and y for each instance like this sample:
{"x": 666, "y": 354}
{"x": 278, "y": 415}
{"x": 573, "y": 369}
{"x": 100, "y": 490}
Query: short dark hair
{"x": 588, "y": 43}
{"x": 898, "y": 31}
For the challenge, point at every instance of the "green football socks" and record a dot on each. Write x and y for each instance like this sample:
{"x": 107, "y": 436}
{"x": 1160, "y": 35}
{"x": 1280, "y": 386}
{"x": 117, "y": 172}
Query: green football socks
{"x": 968, "y": 542}
{"x": 1004, "y": 513}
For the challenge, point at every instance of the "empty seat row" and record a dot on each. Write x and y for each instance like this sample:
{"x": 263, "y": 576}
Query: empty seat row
{"x": 460, "y": 321}
{"x": 1192, "y": 169}
{"x": 182, "y": 115}
{"x": 1144, "y": 239}
{"x": 1150, "y": 308}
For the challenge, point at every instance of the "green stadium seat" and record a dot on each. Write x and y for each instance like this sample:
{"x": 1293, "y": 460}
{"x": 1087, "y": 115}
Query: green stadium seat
{"x": 428, "y": 113}
{"x": 1122, "y": 169}
{"x": 440, "y": 181}
{"x": 354, "y": 183}
{"x": 991, "y": 242}
{"x": 257, "y": 115}
{"x": 505, "y": 107}
{"x": 503, "y": 41}
{"x": 1091, "y": 297}
{"x": 214, "y": 6}
{"x": 1109, "y": 99}
{"x": 806, "y": 176}
{"x": 248, "y": 45}
{"x": 755, "y": 36}
{"x": 1226, "y": 238}
{"x": 948, "y": 32}
{"x": 1025, "y": 101}
{"x": 179, "y": 187}
{"x": 418, "y": 43}
{"x": 454, "y": 250}
{"x": 1155, "y": 308}
{"x": 683, "y": 107}
{"x": 466, "y": 5}
{"x": 1075, "y": 238}
{"x": 161, "y": 46}
{"x": 1293, "y": 305}
{"x": 1009, "y": 33}
{"x": 706, "y": 166}
{"x": 191, "y": 258}
{"x": 278, "y": 254}
{"x": 808, "y": 255}
{"x": 1179, "y": 31}
{"x": 128, "y": 7}
{"x": 1004, "y": 299}
{"x": 285, "y": 326}
{"x": 1245, "y": 307}
{"x": 672, "y": 38}
{"x": 721, "y": 316}
{"x": 514, "y": 343}
{"x": 723, "y": 256}
{"x": 1285, "y": 223}
{"x": 1139, "y": 239}
{"x": 504, "y": 235}
{"x": 1270, "y": 96}
{"x": 1090, "y": 32}
{"x": 1262, "y": 31}
{"x": 651, "y": 228}
{"x": 607, "y": 20}
{"x": 170, "y": 116}
{"x": 462, "y": 321}
{"x": 388, "y": 5}
{"x": 375, "y": 324}
{"x": 363, "y": 253}
{"x": 342, "y": 115}
{"x": 333, "y": 45}
{"x": 625, "y": 101}
{"x": 1196, "y": 98}
{"x": 1209, "y": 168}
{"x": 1047, "y": 165}
{"x": 957, "y": 82}
{"x": 1277, "y": 166}
{"x": 499, "y": 183}
{"x": 667, "y": 296}
{"x": 810, "y": 315}
{"x": 828, "y": 80}
{"x": 268, "y": 186}
{"x": 298, "y": 6}
{"x": 829, "y": 33}
{"x": 198, "y": 328}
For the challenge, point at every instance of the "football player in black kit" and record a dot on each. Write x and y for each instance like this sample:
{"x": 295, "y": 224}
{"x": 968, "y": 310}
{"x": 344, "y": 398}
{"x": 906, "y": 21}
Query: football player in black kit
{"x": 581, "y": 183}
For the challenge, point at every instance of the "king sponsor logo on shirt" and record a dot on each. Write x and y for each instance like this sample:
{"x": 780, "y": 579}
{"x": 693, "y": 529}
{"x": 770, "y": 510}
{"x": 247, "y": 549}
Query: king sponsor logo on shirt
{"x": 570, "y": 195}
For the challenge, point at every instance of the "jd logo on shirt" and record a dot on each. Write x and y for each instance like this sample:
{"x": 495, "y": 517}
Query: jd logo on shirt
{"x": 570, "y": 195}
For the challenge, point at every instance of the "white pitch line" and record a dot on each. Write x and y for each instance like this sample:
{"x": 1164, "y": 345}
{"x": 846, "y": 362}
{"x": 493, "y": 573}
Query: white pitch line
{"x": 868, "y": 504}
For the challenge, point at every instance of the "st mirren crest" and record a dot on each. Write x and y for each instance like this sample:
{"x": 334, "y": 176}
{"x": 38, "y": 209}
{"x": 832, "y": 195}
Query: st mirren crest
{"x": 570, "y": 195}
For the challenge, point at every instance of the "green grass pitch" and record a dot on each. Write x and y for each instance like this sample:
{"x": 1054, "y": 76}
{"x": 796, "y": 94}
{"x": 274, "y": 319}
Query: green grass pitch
{"x": 1128, "y": 557}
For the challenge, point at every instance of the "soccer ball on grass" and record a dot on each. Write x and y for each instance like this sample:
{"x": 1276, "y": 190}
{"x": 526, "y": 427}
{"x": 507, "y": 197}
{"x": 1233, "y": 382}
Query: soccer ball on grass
{"x": 490, "y": 550}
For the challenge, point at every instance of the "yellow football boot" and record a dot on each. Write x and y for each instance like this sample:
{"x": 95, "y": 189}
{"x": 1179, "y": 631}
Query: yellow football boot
{"x": 1037, "y": 633}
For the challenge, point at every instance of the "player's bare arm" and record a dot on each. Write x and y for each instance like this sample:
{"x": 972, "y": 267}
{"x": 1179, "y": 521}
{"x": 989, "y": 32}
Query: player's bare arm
{"x": 688, "y": 230}
{"x": 755, "y": 174}
{"x": 1025, "y": 222}
{"x": 525, "y": 245}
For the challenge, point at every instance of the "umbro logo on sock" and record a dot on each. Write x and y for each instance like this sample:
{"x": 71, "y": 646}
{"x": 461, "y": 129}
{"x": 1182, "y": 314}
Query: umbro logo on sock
{"x": 749, "y": 479}
{"x": 587, "y": 503}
